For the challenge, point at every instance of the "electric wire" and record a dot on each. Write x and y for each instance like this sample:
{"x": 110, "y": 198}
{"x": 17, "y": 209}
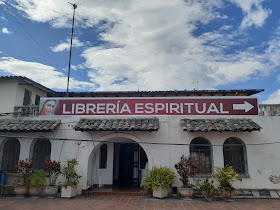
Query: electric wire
{"x": 30, "y": 36}
{"x": 142, "y": 142}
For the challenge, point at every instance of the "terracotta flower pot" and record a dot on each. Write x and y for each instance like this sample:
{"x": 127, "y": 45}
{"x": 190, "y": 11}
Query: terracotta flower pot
{"x": 227, "y": 194}
{"x": 209, "y": 197}
{"x": 35, "y": 191}
{"x": 21, "y": 190}
{"x": 186, "y": 192}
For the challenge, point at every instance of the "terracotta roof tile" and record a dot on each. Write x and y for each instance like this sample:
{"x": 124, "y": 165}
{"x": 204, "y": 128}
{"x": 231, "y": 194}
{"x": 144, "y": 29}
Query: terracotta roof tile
{"x": 129, "y": 124}
{"x": 28, "y": 125}
{"x": 219, "y": 125}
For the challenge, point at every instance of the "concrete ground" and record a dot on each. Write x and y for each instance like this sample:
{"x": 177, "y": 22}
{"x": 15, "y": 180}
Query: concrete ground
{"x": 132, "y": 202}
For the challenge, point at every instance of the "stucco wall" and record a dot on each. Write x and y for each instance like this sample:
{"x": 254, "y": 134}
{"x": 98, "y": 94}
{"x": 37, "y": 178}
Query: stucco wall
{"x": 12, "y": 94}
{"x": 8, "y": 91}
{"x": 34, "y": 91}
{"x": 263, "y": 160}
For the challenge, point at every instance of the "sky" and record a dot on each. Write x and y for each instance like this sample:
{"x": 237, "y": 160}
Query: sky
{"x": 144, "y": 44}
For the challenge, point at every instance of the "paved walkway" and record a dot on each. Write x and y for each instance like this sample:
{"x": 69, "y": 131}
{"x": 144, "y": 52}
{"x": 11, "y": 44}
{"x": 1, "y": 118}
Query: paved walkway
{"x": 122, "y": 202}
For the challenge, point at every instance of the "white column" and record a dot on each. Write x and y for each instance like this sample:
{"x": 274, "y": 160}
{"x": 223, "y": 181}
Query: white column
{"x": 218, "y": 157}
{"x": 25, "y": 145}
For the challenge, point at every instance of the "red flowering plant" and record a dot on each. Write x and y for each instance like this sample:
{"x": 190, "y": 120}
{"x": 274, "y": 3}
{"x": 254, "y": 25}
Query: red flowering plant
{"x": 52, "y": 168}
{"x": 24, "y": 168}
{"x": 186, "y": 168}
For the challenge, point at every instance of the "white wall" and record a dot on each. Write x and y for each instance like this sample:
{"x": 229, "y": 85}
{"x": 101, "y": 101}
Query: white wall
{"x": 263, "y": 160}
{"x": 12, "y": 94}
{"x": 34, "y": 91}
{"x": 8, "y": 91}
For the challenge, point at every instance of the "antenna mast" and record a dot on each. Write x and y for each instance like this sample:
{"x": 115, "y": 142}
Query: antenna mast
{"x": 74, "y": 7}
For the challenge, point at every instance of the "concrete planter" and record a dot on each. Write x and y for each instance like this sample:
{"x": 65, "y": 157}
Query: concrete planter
{"x": 21, "y": 190}
{"x": 160, "y": 193}
{"x": 186, "y": 192}
{"x": 35, "y": 191}
{"x": 68, "y": 192}
{"x": 51, "y": 191}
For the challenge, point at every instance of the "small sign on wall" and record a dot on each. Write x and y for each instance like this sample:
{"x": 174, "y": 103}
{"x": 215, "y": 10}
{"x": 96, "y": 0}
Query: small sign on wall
{"x": 150, "y": 106}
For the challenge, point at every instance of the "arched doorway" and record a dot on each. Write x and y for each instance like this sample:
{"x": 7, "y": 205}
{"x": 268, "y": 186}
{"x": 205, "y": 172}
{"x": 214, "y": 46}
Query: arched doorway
{"x": 10, "y": 149}
{"x": 119, "y": 161}
{"x": 41, "y": 151}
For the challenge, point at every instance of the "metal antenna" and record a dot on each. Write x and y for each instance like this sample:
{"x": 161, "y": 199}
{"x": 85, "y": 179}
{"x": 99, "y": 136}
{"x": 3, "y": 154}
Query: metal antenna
{"x": 195, "y": 85}
{"x": 74, "y": 7}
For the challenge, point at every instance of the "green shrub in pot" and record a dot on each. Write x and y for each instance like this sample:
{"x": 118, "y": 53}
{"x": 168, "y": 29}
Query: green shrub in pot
{"x": 159, "y": 180}
{"x": 226, "y": 176}
{"x": 69, "y": 187}
{"x": 207, "y": 188}
{"x": 36, "y": 182}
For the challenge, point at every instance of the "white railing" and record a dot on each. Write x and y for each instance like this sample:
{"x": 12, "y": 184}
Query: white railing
{"x": 26, "y": 111}
{"x": 269, "y": 109}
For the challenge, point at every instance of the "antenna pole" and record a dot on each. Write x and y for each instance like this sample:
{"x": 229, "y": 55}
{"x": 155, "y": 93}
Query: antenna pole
{"x": 74, "y": 7}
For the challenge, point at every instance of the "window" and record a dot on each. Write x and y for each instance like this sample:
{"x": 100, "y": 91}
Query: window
{"x": 11, "y": 149}
{"x": 201, "y": 152}
{"x": 37, "y": 100}
{"x": 103, "y": 156}
{"x": 27, "y": 97}
{"x": 41, "y": 152}
{"x": 234, "y": 154}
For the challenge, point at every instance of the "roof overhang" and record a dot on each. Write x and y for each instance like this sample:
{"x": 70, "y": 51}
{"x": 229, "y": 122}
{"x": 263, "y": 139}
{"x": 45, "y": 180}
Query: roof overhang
{"x": 126, "y": 124}
{"x": 219, "y": 125}
{"x": 28, "y": 125}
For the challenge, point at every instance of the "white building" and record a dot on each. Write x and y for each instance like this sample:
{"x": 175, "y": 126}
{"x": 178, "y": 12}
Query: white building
{"x": 118, "y": 140}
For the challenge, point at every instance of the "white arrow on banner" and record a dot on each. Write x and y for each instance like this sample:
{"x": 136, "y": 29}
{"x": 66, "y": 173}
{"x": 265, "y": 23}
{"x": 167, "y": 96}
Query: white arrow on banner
{"x": 246, "y": 106}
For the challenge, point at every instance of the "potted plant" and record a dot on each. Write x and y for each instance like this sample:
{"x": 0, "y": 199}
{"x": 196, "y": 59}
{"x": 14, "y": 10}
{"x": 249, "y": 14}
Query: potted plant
{"x": 159, "y": 180}
{"x": 186, "y": 168}
{"x": 24, "y": 169}
{"x": 52, "y": 168}
{"x": 36, "y": 182}
{"x": 207, "y": 188}
{"x": 225, "y": 176}
{"x": 69, "y": 188}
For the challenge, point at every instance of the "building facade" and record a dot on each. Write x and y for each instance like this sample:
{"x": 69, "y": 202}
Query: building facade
{"x": 116, "y": 143}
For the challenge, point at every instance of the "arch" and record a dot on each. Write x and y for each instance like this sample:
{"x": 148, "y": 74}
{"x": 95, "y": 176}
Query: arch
{"x": 103, "y": 156}
{"x": 40, "y": 151}
{"x": 234, "y": 151}
{"x": 10, "y": 149}
{"x": 128, "y": 137}
{"x": 92, "y": 174}
{"x": 201, "y": 151}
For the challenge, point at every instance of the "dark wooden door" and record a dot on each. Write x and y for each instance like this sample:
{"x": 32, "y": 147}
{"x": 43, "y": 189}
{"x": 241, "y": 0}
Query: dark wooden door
{"x": 126, "y": 165}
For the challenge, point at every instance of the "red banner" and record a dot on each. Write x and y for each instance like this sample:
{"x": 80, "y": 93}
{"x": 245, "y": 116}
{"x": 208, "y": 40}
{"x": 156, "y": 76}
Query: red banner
{"x": 150, "y": 106}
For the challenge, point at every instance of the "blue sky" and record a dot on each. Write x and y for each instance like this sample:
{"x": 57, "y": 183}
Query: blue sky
{"x": 144, "y": 45}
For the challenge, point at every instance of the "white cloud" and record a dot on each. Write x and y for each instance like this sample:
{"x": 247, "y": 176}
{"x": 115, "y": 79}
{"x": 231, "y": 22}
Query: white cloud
{"x": 3, "y": 18}
{"x": 254, "y": 13}
{"x": 43, "y": 74}
{"x": 66, "y": 45}
{"x": 274, "y": 98}
{"x": 151, "y": 45}
{"x": 6, "y": 31}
